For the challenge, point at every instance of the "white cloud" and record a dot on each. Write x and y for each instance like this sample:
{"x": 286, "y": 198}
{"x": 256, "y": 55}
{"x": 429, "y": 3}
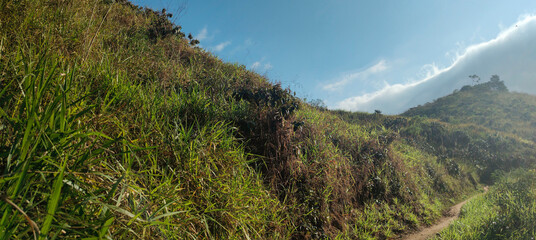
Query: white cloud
{"x": 348, "y": 78}
{"x": 221, "y": 46}
{"x": 260, "y": 66}
{"x": 511, "y": 55}
{"x": 267, "y": 66}
{"x": 256, "y": 65}
{"x": 203, "y": 34}
{"x": 379, "y": 67}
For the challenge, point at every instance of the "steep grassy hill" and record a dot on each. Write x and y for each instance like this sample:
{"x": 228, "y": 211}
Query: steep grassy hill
{"x": 488, "y": 104}
{"x": 114, "y": 125}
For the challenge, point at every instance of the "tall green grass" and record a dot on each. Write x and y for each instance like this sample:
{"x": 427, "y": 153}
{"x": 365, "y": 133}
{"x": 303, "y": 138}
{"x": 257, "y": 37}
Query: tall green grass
{"x": 113, "y": 127}
{"x": 46, "y": 139}
{"x": 139, "y": 176}
{"x": 104, "y": 151}
{"x": 507, "y": 211}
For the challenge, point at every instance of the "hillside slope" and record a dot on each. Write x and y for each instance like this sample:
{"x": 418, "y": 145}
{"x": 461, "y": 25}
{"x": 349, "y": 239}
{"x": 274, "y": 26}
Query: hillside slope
{"x": 488, "y": 104}
{"x": 502, "y": 121}
{"x": 113, "y": 124}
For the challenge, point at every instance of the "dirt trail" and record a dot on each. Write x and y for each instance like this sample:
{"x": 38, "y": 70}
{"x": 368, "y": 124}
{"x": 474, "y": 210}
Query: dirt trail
{"x": 444, "y": 222}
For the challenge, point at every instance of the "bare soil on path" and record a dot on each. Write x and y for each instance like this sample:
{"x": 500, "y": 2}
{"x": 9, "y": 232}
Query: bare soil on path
{"x": 444, "y": 222}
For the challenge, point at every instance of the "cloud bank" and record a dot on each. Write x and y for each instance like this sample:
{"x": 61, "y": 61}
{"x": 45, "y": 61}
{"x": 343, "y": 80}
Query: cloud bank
{"x": 511, "y": 55}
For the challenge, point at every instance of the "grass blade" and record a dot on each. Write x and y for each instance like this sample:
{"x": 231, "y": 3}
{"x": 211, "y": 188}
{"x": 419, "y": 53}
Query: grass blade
{"x": 105, "y": 227}
{"x": 54, "y": 199}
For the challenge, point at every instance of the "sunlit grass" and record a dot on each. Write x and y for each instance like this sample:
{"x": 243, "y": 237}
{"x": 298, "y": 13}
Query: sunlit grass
{"x": 507, "y": 211}
{"x": 63, "y": 179}
{"x": 108, "y": 131}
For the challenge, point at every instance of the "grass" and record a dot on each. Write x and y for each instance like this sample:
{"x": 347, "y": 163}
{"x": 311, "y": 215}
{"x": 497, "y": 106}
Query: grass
{"x": 63, "y": 179}
{"x": 46, "y": 139}
{"x": 507, "y": 211}
{"x": 112, "y": 126}
{"x": 396, "y": 187}
{"x": 487, "y": 104}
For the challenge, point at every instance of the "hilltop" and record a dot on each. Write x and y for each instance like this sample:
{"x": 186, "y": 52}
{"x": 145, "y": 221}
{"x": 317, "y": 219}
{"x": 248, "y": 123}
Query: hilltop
{"x": 488, "y": 104}
{"x": 115, "y": 124}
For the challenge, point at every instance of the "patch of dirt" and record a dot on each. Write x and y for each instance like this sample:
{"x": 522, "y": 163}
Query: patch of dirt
{"x": 444, "y": 222}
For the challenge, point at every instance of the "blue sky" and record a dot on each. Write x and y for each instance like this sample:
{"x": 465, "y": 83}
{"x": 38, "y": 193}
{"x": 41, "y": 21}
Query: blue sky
{"x": 367, "y": 55}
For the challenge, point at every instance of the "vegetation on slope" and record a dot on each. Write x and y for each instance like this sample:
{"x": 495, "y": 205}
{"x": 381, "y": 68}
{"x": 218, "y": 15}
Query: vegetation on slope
{"x": 114, "y": 125}
{"x": 111, "y": 130}
{"x": 478, "y": 134}
{"x": 482, "y": 149}
{"x": 507, "y": 211}
{"x": 366, "y": 182}
{"x": 488, "y": 104}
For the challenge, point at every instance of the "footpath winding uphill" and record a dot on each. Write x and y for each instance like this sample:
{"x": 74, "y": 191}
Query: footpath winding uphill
{"x": 444, "y": 222}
